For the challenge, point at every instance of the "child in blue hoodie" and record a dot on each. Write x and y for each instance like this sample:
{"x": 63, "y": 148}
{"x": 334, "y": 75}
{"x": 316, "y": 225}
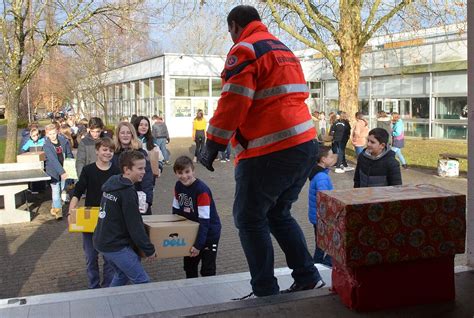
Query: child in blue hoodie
{"x": 35, "y": 140}
{"x": 320, "y": 180}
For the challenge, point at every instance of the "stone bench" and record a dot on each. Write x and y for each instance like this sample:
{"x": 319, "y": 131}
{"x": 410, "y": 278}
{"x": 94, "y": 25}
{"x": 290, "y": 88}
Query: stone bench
{"x": 14, "y": 178}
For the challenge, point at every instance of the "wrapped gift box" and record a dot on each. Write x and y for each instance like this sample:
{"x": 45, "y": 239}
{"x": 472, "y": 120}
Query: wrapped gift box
{"x": 84, "y": 219}
{"x": 369, "y": 226}
{"x": 370, "y": 288}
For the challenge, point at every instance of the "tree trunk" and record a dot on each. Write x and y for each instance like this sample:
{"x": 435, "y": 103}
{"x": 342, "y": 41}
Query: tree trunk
{"x": 348, "y": 82}
{"x": 13, "y": 102}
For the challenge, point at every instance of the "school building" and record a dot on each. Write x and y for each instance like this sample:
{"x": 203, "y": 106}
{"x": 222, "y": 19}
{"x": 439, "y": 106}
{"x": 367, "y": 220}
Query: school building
{"x": 422, "y": 75}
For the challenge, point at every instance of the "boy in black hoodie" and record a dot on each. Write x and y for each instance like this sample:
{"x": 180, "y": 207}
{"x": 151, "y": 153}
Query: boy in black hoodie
{"x": 120, "y": 224}
{"x": 376, "y": 165}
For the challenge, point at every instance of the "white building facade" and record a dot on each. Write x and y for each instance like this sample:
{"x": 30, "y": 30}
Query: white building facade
{"x": 423, "y": 79}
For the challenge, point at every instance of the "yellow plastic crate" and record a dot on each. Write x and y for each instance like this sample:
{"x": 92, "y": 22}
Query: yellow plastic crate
{"x": 84, "y": 219}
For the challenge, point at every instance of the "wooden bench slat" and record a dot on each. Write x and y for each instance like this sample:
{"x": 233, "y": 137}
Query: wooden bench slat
{"x": 452, "y": 155}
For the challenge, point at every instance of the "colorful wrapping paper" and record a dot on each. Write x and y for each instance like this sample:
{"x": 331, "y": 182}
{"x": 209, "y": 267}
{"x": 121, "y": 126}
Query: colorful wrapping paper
{"x": 369, "y": 226}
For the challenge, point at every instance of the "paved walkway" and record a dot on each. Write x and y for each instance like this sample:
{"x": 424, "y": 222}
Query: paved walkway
{"x": 42, "y": 257}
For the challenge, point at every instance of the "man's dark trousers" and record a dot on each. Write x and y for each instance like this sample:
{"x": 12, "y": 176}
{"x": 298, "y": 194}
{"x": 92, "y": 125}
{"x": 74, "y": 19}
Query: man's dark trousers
{"x": 266, "y": 187}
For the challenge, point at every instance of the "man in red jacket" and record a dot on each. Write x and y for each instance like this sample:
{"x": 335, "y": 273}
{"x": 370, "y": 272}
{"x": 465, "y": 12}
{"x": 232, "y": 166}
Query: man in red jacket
{"x": 262, "y": 109}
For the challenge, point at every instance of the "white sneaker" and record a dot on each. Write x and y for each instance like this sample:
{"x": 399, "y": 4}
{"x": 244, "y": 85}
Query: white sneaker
{"x": 349, "y": 168}
{"x": 249, "y": 296}
{"x": 339, "y": 170}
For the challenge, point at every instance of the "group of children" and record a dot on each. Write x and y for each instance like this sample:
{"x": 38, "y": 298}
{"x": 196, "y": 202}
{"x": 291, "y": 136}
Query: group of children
{"x": 112, "y": 178}
{"x": 113, "y": 174}
{"x": 376, "y": 167}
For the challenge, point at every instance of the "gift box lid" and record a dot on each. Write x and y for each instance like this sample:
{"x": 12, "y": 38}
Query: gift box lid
{"x": 388, "y": 194}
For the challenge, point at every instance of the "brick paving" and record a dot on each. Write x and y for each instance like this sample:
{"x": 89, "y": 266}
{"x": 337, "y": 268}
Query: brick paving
{"x": 43, "y": 257}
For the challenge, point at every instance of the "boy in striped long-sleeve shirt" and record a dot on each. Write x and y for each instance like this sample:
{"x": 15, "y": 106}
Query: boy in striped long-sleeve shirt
{"x": 193, "y": 200}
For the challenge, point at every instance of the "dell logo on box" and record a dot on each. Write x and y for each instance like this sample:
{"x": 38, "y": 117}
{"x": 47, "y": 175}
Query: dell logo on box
{"x": 174, "y": 242}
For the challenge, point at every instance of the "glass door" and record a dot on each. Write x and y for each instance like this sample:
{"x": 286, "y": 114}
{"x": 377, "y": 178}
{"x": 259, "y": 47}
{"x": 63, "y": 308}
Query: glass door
{"x": 390, "y": 106}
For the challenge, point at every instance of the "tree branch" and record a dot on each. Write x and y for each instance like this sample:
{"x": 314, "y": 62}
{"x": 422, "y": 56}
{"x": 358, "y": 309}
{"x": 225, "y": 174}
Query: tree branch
{"x": 366, "y": 37}
{"x": 318, "y": 45}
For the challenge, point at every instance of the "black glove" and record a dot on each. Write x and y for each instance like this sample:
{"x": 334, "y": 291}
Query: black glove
{"x": 208, "y": 155}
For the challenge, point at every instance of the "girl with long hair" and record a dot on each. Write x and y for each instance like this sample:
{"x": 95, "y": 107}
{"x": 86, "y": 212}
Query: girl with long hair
{"x": 199, "y": 133}
{"x": 149, "y": 144}
{"x": 125, "y": 138}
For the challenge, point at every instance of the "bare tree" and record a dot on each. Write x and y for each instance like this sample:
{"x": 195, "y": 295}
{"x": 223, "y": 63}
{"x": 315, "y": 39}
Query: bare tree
{"x": 197, "y": 34}
{"x": 29, "y": 30}
{"x": 340, "y": 30}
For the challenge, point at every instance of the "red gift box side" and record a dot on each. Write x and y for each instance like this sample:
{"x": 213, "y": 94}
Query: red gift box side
{"x": 384, "y": 286}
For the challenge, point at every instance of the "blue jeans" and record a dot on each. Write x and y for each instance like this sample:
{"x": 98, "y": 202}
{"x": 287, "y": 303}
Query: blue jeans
{"x": 127, "y": 267}
{"x": 226, "y": 154}
{"x": 398, "y": 153}
{"x": 266, "y": 187}
{"x": 92, "y": 264}
{"x": 358, "y": 150}
{"x": 56, "y": 189}
{"x": 161, "y": 143}
{"x": 339, "y": 149}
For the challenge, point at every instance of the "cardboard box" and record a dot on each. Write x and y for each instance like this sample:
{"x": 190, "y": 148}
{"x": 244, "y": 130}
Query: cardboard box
{"x": 84, "y": 219}
{"x": 172, "y": 235}
{"x": 448, "y": 168}
{"x": 369, "y": 226}
{"x": 31, "y": 157}
{"x": 379, "y": 287}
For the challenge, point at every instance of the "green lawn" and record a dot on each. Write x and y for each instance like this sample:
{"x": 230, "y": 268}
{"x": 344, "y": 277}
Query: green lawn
{"x": 425, "y": 153}
{"x": 3, "y": 121}
{"x": 2, "y": 149}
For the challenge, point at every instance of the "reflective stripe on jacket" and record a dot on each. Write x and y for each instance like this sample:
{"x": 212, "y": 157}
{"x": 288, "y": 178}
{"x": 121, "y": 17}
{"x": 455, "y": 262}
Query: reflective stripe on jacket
{"x": 262, "y": 104}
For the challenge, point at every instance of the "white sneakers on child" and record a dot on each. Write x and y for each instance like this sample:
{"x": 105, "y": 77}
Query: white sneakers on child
{"x": 339, "y": 170}
{"x": 343, "y": 169}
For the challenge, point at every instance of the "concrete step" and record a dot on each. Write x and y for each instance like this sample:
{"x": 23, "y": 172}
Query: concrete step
{"x": 322, "y": 303}
{"x": 144, "y": 299}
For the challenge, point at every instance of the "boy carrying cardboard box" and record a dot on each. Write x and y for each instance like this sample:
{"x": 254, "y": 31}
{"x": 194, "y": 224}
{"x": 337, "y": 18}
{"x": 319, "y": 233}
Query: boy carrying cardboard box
{"x": 120, "y": 226}
{"x": 92, "y": 177}
{"x": 193, "y": 200}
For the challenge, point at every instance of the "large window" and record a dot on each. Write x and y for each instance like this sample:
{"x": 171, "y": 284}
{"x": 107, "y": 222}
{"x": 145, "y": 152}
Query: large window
{"x": 199, "y": 87}
{"x": 216, "y": 87}
{"x": 332, "y": 105}
{"x": 186, "y": 87}
{"x": 158, "y": 87}
{"x": 137, "y": 90}
{"x": 447, "y": 131}
{"x": 181, "y": 108}
{"x": 364, "y": 106}
{"x": 201, "y": 104}
{"x": 181, "y": 87}
{"x": 146, "y": 89}
{"x": 451, "y": 108}
{"x": 314, "y": 89}
{"x": 420, "y": 107}
{"x": 416, "y": 129}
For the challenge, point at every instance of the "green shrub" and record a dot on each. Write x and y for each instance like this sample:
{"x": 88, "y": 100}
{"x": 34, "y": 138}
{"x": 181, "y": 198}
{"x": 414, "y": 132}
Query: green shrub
{"x": 2, "y": 150}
